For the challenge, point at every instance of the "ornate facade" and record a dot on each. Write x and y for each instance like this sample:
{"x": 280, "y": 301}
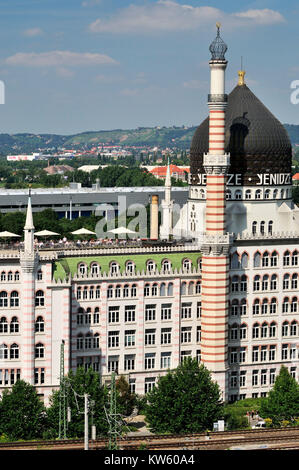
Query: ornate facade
{"x": 228, "y": 296}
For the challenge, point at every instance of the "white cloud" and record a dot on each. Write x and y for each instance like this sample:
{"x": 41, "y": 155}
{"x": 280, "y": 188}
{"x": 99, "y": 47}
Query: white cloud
{"x": 168, "y": 15}
{"x": 59, "y": 59}
{"x": 32, "y": 32}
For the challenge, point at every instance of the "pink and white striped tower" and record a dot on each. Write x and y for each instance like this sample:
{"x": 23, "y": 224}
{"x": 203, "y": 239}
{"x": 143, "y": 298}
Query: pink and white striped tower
{"x": 215, "y": 248}
{"x": 28, "y": 261}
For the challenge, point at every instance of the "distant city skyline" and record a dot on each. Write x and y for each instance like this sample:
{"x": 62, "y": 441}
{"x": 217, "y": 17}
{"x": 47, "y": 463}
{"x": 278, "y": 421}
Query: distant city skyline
{"x": 77, "y": 66}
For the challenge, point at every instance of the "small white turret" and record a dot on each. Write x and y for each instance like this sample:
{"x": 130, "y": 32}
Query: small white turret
{"x": 29, "y": 228}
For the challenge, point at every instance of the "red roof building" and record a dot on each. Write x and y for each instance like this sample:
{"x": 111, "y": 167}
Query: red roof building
{"x": 175, "y": 172}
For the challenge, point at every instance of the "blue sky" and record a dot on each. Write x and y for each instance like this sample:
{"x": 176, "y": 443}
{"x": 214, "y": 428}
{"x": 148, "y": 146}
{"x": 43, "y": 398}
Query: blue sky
{"x": 76, "y": 65}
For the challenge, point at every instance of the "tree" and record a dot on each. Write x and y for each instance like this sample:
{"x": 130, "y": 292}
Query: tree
{"x": 22, "y": 414}
{"x": 125, "y": 398}
{"x": 282, "y": 402}
{"x": 185, "y": 400}
{"x": 77, "y": 384}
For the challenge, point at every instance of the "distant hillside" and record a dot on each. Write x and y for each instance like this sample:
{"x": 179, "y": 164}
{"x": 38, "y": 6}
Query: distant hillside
{"x": 179, "y": 137}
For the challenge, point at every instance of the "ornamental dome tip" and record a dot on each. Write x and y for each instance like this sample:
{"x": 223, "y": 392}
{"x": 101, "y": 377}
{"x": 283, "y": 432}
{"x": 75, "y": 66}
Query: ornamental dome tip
{"x": 218, "y": 47}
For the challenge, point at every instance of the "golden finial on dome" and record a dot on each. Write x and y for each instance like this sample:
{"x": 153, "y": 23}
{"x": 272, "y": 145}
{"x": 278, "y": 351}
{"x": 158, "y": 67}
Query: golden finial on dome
{"x": 241, "y": 74}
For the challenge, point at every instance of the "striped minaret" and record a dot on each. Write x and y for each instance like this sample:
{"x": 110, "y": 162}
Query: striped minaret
{"x": 215, "y": 248}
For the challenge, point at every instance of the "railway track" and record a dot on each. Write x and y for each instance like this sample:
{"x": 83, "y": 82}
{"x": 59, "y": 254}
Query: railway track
{"x": 198, "y": 441}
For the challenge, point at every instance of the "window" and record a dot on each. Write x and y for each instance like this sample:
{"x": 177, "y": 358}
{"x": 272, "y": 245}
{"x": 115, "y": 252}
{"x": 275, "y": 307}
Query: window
{"x": 39, "y": 275}
{"x": 147, "y": 291}
{"x": 130, "y": 267}
{"x": 235, "y": 263}
{"x": 285, "y": 305}
{"x": 3, "y": 299}
{"x": 273, "y": 283}
{"x": 170, "y": 289}
{"x": 256, "y": 283}
{"x": 166, "y": 312}
{"x": 165, "y": 360}
{"x": 95, "y": 269}
{"x": 256, "y": 307}
{"x": 113, "y": 315}
{"x": 114, "y": 268}
{"x": 14, "y": 325}
{"x": 255, "y": 354}
{"x": 264, "y": 330}
{"x": 234, "y": 309}
{"x": 113, "y": 363}
{"x": 134, "y": 290}
{"x": 150, "y": 266}
{"x": 265, "y": 260}
{"x": 186, "y": 310}
{"x": 149, "y": 361}
{"x": 286, "y": 258}
{"x": 255, "y": 331}
{"x": 39, "y": 325}
{"x": 270, "y": 227}
{"x": 234, "y": 332}
{"x": 257, "y": 260}
{"x": 149, "y": 384}
{"x": 254, "y": 227}
{"x": 14, "y": 351}
{"x": 233, "y": 355}
{"x": 295, "y": 281}
{"x": 186, "y": 334}
{"x": 126, "y": 291}
{"x": 243, "y": 331}
{"x": 3, "y": 325}
{"x": 187, "y": 265}
{"x": 110, "y": 292}
{"x": 150, "y": 312}
{"x": 39, "y": 299}
{"x": 113, "y": 339}
{"x": 235, "y": 284}
{"x": 117, "y": 291}
{"x": 129, "y": 313}
{"x": 129, "y": 362}
{"x": 272, "y": 330}
{"x": 80, "y": 343}
{"x": 265, "y": 282}
{"x": 39, "y": 351}
{"x": 265, "y": 307}
{"x": 129, "y": 338}
{"x": 166, "y": 336}
{"x": 82, "y": 269}
{"x": 154, "y": 290}
{"x": 295, "y": 258}
{"x": 166, "y": 266}
{"x": 294, "y": 304}
{"x": 273, "y": 306}
{"x": 274, "y": 259}
{"x": 149, "y": 337}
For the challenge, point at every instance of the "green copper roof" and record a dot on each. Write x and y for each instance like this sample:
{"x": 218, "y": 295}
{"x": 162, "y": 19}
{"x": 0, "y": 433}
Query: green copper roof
{"x": 69, "y": 266}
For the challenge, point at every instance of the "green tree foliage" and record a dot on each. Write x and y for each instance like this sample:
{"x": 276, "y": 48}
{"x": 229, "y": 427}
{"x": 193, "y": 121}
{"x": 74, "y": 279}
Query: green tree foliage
{"x": 77, "y": 384}
{"x": 282, "y": 403}
{"x": 184, "y": 400}
{"x": 22, "y": 414}
{"x": 125, "y": 398}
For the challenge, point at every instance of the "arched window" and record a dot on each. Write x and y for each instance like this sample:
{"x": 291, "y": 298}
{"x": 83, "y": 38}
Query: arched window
{"x": 293, "y": 328}
{"x": 265, "y": 259}
{"x": 248, "y": 194}
{"x": 3, "y": 325}
{"x": 228, "y": 194}
{"x": 235, "y": 284}
{"x": 150, "y": 266}
{"x": 39, "y": 325}
{"x": 198, "y": 287}
{"x": 147, "y": 291}
{"x": 265, "y": 282}
{"x": 117, "y": 291}
{"x": 17, "y": 276}
{"x": 273, "y": 282}
{"x": 244, "y": 260}
{"x": 264, "y": 330}
{"x": 183, "y": 288}
{"x": 79, "y": 293}
{"x": 235, "y": 263}
{"x": 255, "y": 330}
{"x": 258, "y": 194}
{"x": 243, "y": 307}
{"x": 267, "y": 194}
{"x": 265, "y": 307}
{"x": 273, "y": 306}
{"x": 3, "y": 276}
{"x": 270, "y": 227}
{"x": 187, "y": 265}
{"x": 91, "y": 292}
{"x": 170, "y": 289}
{"x": 154, "y": 289}
{"x": 3, "y": 299}
{"x": 243, "y": 331}
{"x": 39, "y": 351}
{"x": 257, "y": 260}
{"x": 295, "y": 258}
{"x": 274, "y": 258}
{"x": 272, "y": 330}
{"x": 98, "y": 292}
{"x": 162, "y": 289}
{"x": 286, "y": 258}
{"x": 85, "y": 293}
{"x": 234, "y": 308}
{"x": 3, "y": 351}
{"x": 39, "y": 298}
{"x": 14, "y": 325}
{"x": 80, "y": 343}
{"x": 130, "y": 267}
{"x": 294, "y": 304}
{"x": 134, "y": 290}
{"x": 285, "y": 329}
{"x": 295, "y": 281}
{"x": 262, "y": 227}
{"x": 256, "y": 283}
{"x": 95, "y": 269}
{"x": 82, "y": 269}
{"x": 166, "y": 265}
{"x": 286, "y": 282}
{"x": 285, "y": 305}
{"x": 238, "y": 194}
{"x": 126, "y": 290}
{"x": 9, "y": 276}
{"x": 256, "y": 307}
{"x": 243, "y": 283}
{"x": 14, "y": 351}
{"x": 14, "y": 299}
{"x": 191, "y": 288}
{"x": 114, "y": 268}
{"x": 110, "y": 292}
{"x": 254, "y": 227}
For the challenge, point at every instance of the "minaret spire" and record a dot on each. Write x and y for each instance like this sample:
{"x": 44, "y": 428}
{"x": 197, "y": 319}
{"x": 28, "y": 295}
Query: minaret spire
{"x": 167, "y": 207}
{"x": 29, "y": 228}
